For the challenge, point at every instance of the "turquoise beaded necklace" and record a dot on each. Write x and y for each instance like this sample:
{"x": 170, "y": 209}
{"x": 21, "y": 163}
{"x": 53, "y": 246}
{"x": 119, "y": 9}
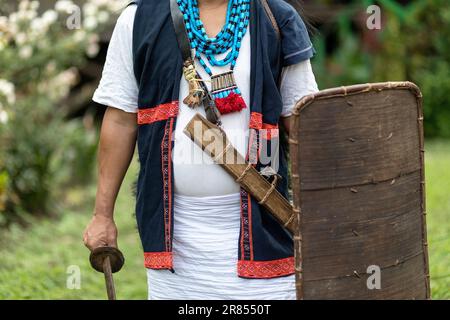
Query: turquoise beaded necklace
{"x": 223, "y": 86}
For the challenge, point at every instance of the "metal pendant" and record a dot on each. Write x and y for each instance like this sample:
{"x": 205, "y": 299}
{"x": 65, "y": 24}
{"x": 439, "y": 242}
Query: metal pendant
{"x": 222, "y": 84}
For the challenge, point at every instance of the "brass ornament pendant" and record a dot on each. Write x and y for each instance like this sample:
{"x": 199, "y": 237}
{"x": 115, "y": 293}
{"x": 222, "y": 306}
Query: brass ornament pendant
{"x": 226, "y": 93}
{"x": 222, "y": 83}
{"x": 196, "y": 93}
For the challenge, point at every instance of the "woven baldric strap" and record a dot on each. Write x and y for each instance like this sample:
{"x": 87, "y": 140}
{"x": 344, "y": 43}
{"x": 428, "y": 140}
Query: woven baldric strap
{"x": 272, "y": 19}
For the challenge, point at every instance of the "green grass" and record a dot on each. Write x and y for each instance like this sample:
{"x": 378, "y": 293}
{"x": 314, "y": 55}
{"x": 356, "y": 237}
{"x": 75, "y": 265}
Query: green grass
{"x": 437, "y": 171}
{"x": 34, "y": 261}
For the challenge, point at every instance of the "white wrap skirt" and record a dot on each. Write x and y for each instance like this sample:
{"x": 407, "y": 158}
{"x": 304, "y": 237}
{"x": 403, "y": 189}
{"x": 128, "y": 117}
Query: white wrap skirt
{"x": 205, "y": 253}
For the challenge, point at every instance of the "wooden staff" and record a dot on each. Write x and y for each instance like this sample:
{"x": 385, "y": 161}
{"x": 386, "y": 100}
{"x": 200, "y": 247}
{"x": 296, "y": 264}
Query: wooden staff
{"x": 244, "y": 173}
{"x": 107, "y": 260}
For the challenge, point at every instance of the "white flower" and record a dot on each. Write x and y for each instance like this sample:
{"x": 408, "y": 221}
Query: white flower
{"x": 92, "y": 50}
{"x": 34, "y": 5}
{"x": 65, "y": 6}
{"x": 103, "y": 16}
{"x": 21, "y": 38}
{"x": 3, "y": 22}
{"x": 59, "y": 86}
{"x": 8, "y": 91}
{"x": 38, "y": 26}
{"x": 13, "y": 17}
{"x": 26, "y": 52}
{"x": 90, "y": 23}
{"x": 100, "y": 3}
{"x": 30, "y": 15}
{"x": 3, "y": 117}
{"x": 79, "y": 36}
{"x": 68, "y": 77}
{"x": 50, "y": 16}
{"x": 24, "y": 15}
{"x": 90, "y": 9}
{"x": 23, "y": 5}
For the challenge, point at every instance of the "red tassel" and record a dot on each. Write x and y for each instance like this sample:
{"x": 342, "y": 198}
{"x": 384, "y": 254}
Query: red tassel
{"x": 233, "y": 103}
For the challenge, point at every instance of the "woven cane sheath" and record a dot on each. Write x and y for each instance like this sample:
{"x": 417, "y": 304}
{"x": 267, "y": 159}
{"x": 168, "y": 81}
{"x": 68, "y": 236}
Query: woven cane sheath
{"x": 244, "y": 173}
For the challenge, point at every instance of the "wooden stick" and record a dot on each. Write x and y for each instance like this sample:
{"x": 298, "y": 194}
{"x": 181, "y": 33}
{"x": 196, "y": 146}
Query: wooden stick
{"x": 107, "y": 260}
{"x": 110, "y": 289}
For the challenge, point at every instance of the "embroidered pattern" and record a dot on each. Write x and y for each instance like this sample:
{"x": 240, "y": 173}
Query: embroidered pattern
{"x": 158, "y": 260}
{"x": 166, "y": 154}
{"x": 253, "y": 147}
{"x": 246, "y": 245}
{"x": 266, "y": 269}
{"x": 256, "y": 120}
{"x": 158, "y": 113}
{"x": 269, "y": 131}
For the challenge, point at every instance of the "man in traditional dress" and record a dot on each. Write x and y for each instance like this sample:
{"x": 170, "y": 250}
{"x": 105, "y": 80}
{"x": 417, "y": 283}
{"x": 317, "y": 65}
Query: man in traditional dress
{"x": 203, "y": 236}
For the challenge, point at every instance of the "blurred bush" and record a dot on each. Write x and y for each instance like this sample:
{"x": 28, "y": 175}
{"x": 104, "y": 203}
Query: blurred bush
{"x": 418, "y": 40}
{"x": 41, "y": 151}
{"x": 413, "y": 44}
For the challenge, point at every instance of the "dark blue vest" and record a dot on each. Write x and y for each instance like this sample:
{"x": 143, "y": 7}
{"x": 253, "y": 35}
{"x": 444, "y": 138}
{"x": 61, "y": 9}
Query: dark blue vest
{"x": 265, "y": 247}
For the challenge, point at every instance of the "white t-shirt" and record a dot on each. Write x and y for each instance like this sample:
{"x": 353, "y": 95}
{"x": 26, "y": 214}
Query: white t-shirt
{"x": 118, "y": 88}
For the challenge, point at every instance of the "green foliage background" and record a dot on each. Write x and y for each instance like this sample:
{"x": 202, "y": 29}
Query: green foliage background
{"x": 413, "y": 44}
{"x": 42, "y": 152}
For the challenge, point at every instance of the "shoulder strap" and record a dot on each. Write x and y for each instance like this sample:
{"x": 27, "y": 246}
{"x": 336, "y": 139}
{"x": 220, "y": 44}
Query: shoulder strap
{"x": 180, "y": 30}
{"x": 271, "y": 17}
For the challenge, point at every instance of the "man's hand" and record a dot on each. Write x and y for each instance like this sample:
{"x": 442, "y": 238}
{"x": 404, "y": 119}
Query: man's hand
{"x": 100, "y": 232}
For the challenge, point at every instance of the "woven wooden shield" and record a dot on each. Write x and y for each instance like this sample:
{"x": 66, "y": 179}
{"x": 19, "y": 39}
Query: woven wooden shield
{"x": 358, "y": 185}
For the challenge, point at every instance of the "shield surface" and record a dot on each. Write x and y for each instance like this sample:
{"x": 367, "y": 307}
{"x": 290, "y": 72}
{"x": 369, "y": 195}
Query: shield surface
{"x": 358, "y": 184}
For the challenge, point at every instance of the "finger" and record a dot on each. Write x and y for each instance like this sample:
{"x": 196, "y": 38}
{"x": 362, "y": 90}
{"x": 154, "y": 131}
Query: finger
{"x": 112, "y": 242}
{"x": 115, "y": 243}
{"x": 89, "y": 246}
{"x": 86, "y": 240}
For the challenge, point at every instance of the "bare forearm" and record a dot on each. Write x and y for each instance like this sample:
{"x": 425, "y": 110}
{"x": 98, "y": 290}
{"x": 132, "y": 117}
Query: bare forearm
{"x": 117, "y": 143}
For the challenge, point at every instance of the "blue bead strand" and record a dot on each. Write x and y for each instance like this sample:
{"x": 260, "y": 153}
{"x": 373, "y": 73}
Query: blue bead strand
{"x": 228, "y": 39}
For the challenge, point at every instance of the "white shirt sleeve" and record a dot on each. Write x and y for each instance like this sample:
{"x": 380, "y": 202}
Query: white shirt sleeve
{"x": 118, "y": 87}
{"x": 297, "y": 81}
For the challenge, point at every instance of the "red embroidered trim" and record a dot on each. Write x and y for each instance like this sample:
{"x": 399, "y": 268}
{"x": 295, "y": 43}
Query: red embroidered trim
{"x": 266, "y": 269}
{"x": 242, "y": 225}
{"x": 158, "y": 260}
{"x": 245, "y": 232}
{"x": 158, "y": 113}
{"x": 166, "y": 160}
{"x": 253, "y": 147}
{"x": 269, "y": 134}
{"x": 267, "y": 126}
{"x": 256, "y": 120}
{"x": 268, "y": 131}
{"x": 250, "y": 227}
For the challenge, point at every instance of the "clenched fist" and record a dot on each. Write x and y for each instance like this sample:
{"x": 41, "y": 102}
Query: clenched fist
{"x": 100, "y": 232}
